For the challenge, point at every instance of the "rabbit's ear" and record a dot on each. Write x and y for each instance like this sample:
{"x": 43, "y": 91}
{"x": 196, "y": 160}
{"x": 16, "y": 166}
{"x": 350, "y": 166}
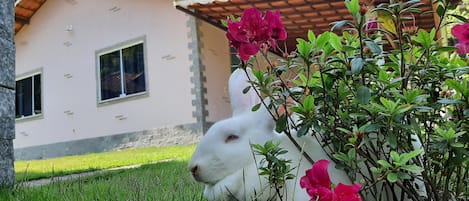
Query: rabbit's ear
{"x": 241, "y": 102}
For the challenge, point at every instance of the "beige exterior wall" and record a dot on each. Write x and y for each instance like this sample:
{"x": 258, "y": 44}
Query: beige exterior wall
{"x": 67, "y": 60}
{"x": 215, "y": 55}
{"x": 216, "y": 58}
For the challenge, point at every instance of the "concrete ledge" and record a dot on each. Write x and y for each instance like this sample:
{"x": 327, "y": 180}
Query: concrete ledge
{"x": 166, "y": 136}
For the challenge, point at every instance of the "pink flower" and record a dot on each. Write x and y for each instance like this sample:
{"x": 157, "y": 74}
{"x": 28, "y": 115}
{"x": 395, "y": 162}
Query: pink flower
{"x": 461, "y": 32}
{"x": 371, "y": 26}
{"x": 254, "y": 32}
{"x": 317, "y": 181}
{"x": 277, "y": 30}
{"x": 319, "y": 185}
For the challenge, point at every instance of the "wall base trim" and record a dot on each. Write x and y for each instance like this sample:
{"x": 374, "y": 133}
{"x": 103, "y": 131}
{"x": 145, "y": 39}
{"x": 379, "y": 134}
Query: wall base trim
{"x": 159, "y": 137}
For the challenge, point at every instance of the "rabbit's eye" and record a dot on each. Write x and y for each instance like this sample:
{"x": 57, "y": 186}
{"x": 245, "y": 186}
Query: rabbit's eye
{"x": 231, "y": 138}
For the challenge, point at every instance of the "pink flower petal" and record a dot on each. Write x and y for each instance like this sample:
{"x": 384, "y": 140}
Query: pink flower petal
{"x": 461, "y": 32}
{"x": 463, "y": 47}
{"x": 317, "y": 181}
{"x": 247, "y": 50}
{"x": 319, "y": 174}
{"x": 277, "y": 30}
{"x": 347, "y": 192}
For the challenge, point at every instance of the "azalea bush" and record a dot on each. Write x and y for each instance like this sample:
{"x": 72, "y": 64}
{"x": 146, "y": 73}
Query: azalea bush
{"x": 387, "y": 100}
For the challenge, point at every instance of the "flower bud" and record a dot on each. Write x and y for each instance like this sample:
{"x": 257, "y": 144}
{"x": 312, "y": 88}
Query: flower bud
{"x": 363, "y": 9}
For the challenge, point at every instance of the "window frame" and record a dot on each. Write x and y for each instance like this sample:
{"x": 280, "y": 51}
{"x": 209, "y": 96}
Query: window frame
{"x": 116, "y": 47}
{"x": 31, "y": 75}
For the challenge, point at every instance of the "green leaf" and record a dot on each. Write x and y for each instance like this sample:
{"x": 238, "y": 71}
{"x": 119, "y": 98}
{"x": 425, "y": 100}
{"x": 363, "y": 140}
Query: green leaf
{"x": 454, "y": 84}
{"x": 339, "y": 24}
{"x": 440, "y": 11}
{"x": 245, "y": 90}
{"x": 311, "y": 37}
{"x": 385, "y": 164}
{"x": 256, "y": 107}
{"x": 351, "y": 154}
{"x": 403, "y": 108}
{"x": 448, "y": 101}
{"x": 459, "y": 17}
{"x": 375, "y": 170}
{"x": 259, "y": 75}
{"x": 432, "y": 36}
{"x": 388, "y": 104}
{"x": 457, "y": 145}
{"x": 357, "y": 65}
{"x": 392, "y": 140}
{"x": 322, "y": 40}
{"x": 395, "y": 156}
{"x": 375, "y": 49}
{"x": 407, "y": 156}
{"x": 367, "y": 128}
{"x": 392, "y": 177}
{"x": 224, "y": 22}
{"x": 424, "y": 38}
{"x": 304, "y": 48}
{"x": 335, "y": 41}
{"x": 349, "y": 48}
{"x": 281, "y": 123}
{"x": 308, "y": 103}
{"x": 303, "y": 130}
{"x": 403, "y": 176}
{"x": 446, "y": 49}
{"x": 353, "y": 7}
{"x": 447, "y": 134}
{"x": 363, "y": 95}
{"x": 341, "y": 157}
{"x": 344, "y": 130}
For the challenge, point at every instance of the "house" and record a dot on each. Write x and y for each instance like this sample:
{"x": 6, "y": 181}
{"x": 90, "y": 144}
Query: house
{"x": 102, "y": 75}
{"x": 110, "y": 74}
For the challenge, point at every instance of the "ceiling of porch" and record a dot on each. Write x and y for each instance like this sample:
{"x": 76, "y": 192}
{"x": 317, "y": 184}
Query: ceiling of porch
{"x": 298, "y": 16}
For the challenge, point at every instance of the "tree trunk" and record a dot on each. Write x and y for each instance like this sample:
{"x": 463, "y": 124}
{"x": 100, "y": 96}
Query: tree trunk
{"x": 7, "y": 92}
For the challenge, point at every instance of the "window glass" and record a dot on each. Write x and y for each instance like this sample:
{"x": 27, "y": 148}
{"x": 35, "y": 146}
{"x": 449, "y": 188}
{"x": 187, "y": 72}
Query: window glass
{"x": 110, "y": 74}
{"x": 134, "y": 69}
{"x": 37, "y": 94}
{"x": 24, "y": 99}
{"x": 122, "y": 72}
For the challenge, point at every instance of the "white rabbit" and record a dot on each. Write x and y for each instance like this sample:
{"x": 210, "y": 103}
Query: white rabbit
{"x": 224, "y": 161}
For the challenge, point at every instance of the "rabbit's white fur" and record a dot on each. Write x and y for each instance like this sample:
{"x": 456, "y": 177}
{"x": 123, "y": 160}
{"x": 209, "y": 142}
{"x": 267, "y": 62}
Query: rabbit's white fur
{"x": 224, "y": 161}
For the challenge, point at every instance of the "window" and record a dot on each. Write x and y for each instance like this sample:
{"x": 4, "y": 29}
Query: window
{"x": 28, "y": 96}
{"x": 121, "y": 72}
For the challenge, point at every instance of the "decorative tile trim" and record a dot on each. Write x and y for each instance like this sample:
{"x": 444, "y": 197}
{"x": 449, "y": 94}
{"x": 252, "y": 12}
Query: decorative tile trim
{"x": 198, "y": 79}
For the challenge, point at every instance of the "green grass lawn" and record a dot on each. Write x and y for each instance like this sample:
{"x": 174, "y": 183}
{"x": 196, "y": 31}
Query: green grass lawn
{"x": 36, "y": 169}
{"x": 165, "y": 180}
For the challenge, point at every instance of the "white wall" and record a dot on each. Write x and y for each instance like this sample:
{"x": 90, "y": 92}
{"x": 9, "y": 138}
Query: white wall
{"x": 215, "y": 55}
{"x": 41, "y": 44}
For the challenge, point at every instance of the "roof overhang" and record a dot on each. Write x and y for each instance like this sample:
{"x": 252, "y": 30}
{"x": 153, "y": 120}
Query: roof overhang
{"x": 24, "y": 11}
{"x": 298, "y": 16}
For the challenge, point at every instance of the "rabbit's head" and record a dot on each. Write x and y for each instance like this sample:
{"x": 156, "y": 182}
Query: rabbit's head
{"x": 225, "y": 149}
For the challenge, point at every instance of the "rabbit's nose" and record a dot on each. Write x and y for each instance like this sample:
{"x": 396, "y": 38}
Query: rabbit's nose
{"x": 194, "y": 169}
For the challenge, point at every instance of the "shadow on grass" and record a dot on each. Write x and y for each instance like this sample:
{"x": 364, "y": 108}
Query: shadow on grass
{"x": 161, "y": 181}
